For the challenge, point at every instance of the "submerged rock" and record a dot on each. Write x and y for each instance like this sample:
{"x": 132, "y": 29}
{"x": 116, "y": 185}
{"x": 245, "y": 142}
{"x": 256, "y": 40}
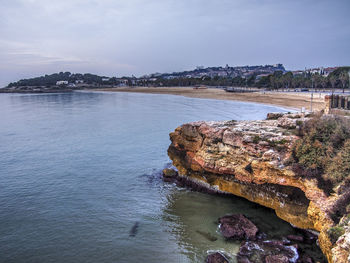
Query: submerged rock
{"x": 207, "y": 235}
{"x": 305, "y": 259}
{"x": 237, "y": 227}
{"x": 134, "y": 229}
{"x": 276, "y": 259}
{"x": 267, "y": 251}
{"x": 295, "y": 238}
{"x": 216, "y": 257}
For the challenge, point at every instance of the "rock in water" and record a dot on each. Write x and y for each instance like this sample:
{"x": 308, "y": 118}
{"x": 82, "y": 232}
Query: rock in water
{"x": 169, "y": 172}
{"x": 208, "y": 236}
{"x": 237, "y": 227}
{"x": 216, "y": 258}
{"x": 276, "y": 259}
{"x": 133, "y": 230}
{"x": 295, "y": 238}
{"x": 267, "y": 251}
{"x": 169, "y": 175}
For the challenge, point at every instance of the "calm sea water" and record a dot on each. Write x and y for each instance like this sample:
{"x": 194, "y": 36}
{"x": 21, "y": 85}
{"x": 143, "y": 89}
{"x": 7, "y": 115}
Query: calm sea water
{"x": 78, "y": 170}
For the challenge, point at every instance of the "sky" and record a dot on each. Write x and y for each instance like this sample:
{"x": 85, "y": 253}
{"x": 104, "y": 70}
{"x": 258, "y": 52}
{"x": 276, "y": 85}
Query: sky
{"x": 137, "y": 37}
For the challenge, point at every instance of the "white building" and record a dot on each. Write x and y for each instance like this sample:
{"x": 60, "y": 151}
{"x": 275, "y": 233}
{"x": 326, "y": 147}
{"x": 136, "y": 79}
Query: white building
{"x": 61, "y": 82}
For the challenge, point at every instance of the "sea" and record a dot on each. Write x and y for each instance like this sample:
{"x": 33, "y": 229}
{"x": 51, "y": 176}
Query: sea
{"x": 80, "y": 180}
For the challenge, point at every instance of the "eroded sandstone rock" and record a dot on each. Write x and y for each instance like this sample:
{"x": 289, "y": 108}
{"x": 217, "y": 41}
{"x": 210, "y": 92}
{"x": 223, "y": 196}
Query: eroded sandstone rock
{"x": 249, "y": 159}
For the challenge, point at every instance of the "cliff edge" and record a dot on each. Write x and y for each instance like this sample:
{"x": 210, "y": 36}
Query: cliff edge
{"x": 250, "y": 159}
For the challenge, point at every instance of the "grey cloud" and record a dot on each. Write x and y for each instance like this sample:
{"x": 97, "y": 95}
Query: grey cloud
{"x": 114, "y": 37}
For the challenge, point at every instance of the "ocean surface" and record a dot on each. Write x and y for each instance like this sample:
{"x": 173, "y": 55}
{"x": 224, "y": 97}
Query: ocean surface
{"x": 80, "y": 180}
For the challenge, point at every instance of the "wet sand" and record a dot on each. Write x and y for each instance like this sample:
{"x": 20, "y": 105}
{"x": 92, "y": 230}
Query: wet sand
{"x": 292, "y": 100}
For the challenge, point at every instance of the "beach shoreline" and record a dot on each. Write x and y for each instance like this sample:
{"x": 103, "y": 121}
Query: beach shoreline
{"x": 289, "y": 100}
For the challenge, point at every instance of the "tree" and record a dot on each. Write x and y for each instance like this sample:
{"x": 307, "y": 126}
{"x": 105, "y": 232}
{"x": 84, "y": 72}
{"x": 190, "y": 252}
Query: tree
{"x": 333, "y": 81}
{"x": 316, "y": 78}
{"x": 251, "y": 80}
{"x": 344, "y": 78}
{"x": 263, "y": 82}
{"x": 307, "y": 83}
{"x": 288, "y": 77}
{"x": 323, "y": 82}
{"x": 295, "y": 82}
{"x": 273, "y": 81}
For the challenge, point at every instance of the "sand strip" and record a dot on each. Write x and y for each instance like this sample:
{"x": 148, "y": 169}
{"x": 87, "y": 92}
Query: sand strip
{"x": 292, "y": 100}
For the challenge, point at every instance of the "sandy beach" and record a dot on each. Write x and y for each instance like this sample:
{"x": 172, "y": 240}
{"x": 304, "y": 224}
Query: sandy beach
{"x": 292, "y": 100}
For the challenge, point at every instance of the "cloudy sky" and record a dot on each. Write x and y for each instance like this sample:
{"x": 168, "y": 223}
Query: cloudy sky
{"x": 124, "y": 37}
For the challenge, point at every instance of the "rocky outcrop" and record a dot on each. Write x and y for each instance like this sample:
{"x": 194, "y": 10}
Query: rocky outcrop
{"x": 216, "y": 257}
{"x": 249, "y": 159}
{"x": 237, "y": 227}
{"x": 272, "y": 251}
{"x": 340, "y": 252}
{"x": 169, "y": 175}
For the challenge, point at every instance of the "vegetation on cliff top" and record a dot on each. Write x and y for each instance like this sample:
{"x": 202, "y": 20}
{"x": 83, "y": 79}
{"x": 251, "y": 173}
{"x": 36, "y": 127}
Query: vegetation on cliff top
{"x": 323, "y": 152}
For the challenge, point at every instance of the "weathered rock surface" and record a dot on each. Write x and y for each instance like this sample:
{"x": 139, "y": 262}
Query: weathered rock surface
{"x": 237, "y": 227}
{"x": 248, "y": 159}
{"x": 267, "y": 251}
{"x": 295, "y": 238}
{"x": 340, "y": 252}
{"x": 216, "y": 258}
{"x": 169, "y": 173}
{"x": 276, "y": 259}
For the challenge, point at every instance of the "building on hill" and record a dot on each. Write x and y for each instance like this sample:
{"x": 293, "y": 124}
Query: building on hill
{"x": 329, "y": 70}
{"x": 62, "y": 82}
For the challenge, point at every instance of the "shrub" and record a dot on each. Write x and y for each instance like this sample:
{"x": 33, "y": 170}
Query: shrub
{"x": 338, "y": 169}
{"x": 323, "y": 151}
{"x": 275, "y": 143}
{"x": 256, "y": 139}
{"x": 335, "y": 232}
{"x": 299, "y": 123}
{"x": 340, "y": 206}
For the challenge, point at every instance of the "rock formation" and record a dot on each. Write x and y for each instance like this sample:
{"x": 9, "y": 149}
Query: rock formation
{"x": 272, "y": 251}
{"x": 237, "y": 227}
{"x": 249, "y": 159}
{"x": 216, "y": 257}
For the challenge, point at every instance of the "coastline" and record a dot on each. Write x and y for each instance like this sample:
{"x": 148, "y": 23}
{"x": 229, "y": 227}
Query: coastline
{"x": 291, "y": 100}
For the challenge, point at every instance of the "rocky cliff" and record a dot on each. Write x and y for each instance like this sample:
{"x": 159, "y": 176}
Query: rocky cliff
{"x": 249, "y": 159}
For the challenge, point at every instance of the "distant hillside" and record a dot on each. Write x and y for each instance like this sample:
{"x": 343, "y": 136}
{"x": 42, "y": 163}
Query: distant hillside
{"x": 51, "y": 80}
{"x": 199, "y": 72}
{"x": 225, "y": 72}
{"x": 263, "y": 76}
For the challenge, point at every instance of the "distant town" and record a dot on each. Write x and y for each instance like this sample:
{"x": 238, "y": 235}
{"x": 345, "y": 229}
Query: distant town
{"x": 268, "y": 77}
